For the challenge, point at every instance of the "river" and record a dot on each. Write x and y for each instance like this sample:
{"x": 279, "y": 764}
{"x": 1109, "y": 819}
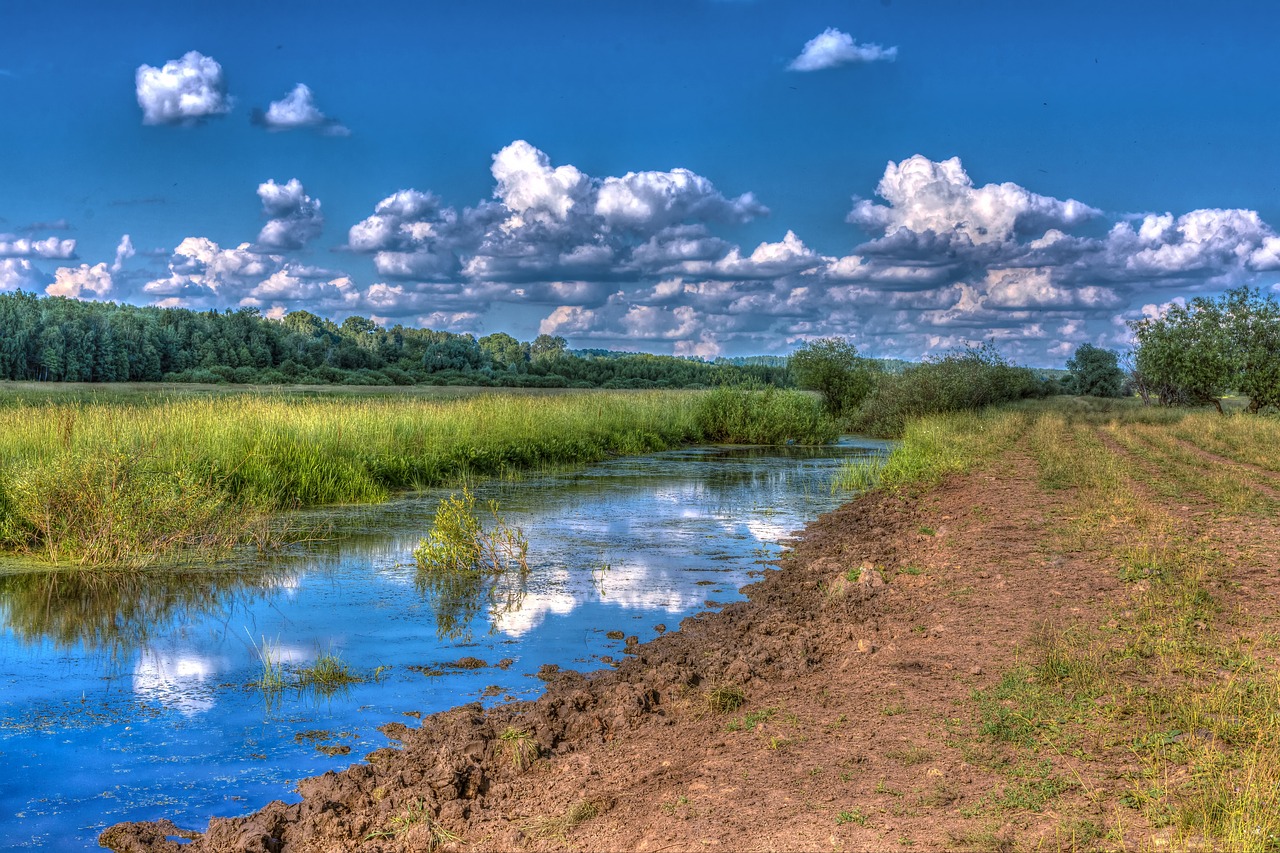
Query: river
{"x": 131, "y": 695}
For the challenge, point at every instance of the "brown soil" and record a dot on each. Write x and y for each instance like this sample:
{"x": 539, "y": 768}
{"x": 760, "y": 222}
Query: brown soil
{"x": 861, "y": 726}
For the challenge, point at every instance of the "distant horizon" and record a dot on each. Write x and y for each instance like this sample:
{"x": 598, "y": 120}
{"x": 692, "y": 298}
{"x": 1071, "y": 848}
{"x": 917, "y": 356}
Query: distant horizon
{"x": 681, "y": 177}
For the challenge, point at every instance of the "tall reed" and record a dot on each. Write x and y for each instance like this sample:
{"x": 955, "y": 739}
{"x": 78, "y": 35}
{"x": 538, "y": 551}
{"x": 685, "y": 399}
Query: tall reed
{"x": 119, "y": 480}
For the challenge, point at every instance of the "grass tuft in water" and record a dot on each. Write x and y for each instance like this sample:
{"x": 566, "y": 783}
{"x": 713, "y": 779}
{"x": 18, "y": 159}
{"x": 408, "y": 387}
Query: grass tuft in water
{"x": 329, "y": 674}
{"x": 270, "y": 679}
{"x": 459, "y": 543}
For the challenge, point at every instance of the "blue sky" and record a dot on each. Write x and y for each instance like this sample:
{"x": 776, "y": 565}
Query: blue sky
{"x": 704, "y": 177}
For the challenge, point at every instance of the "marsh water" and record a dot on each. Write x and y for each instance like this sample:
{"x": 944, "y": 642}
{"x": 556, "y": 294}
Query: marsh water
{"x": 132, "y": 696}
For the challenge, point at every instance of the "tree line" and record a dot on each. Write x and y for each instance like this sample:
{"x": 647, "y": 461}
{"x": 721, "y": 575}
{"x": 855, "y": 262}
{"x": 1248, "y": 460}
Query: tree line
{"x": 55, "y": 339}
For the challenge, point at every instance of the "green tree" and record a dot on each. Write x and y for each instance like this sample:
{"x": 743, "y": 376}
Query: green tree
{"x": 547, "y": 348}
{"x": 1095, "y": 371}
{"x": 1193, "y": 354}
{"x": 1254, "y": 323}
{"x": 833, "y": 368}
{"x": 506, "y": 352}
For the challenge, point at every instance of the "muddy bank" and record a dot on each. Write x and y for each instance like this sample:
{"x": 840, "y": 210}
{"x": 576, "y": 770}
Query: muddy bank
{"x": 855, "y": 728}
{"x": 456, "y": 771}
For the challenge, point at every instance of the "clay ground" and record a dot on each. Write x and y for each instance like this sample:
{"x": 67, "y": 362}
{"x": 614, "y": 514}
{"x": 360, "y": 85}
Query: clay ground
{"x": 862, "y": 725}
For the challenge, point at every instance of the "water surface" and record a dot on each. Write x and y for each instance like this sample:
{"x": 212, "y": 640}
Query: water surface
{"x": 130, "y": 696}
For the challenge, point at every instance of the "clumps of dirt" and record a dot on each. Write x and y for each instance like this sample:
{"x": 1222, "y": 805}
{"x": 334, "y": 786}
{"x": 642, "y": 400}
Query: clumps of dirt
{"x": 394, "y": 731}
{"x": 428, "y": 671}
{"x": 467, "y": 662}
{"x": 820, "y": 711}
{"x": 313, "y": 735}
{"x": 454, "y": 768}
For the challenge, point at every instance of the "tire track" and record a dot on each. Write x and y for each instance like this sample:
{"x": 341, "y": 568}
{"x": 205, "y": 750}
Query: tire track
{"x": 1270, "y": 480}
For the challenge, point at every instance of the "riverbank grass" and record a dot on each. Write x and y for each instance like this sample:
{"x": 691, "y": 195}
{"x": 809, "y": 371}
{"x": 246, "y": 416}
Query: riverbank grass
{"x": 124, "y": 479}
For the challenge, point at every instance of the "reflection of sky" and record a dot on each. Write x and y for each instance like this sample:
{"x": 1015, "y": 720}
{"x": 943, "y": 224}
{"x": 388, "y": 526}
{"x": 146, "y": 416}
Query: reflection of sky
{"x": 169, "y": 723}
{"x": 176, "y": 681}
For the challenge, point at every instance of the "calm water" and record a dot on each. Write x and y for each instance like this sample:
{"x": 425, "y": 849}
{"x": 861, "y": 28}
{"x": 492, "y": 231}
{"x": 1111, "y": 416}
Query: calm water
{"x": 131, "y": 697}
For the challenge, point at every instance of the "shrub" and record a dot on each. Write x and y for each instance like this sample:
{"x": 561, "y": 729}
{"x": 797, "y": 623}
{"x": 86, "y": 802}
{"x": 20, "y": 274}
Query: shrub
{"x": 1095, "y": 372}
{"x": 833, "y": 368}
{"x": 458, "y": 543}
{"x": 962, "y": 380}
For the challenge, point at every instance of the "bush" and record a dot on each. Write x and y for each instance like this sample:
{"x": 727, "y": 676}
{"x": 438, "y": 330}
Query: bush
{"x": 962, "y": 380}
{"x": 1095, "y": 372}
{"x": 833, "y": 368}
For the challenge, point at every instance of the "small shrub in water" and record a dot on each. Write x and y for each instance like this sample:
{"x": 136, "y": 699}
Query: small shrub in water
{"x": 458, "y": 543}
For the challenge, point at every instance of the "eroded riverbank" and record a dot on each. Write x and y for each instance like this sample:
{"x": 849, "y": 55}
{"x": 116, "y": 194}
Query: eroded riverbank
{"x": 981, "y": 686}
{"x": 146, "y": 680}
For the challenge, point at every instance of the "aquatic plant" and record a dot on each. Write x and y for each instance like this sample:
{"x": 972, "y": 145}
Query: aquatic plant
{"x": 458, "y": 543}
{"x": 271, "y": 678}
{"x": 858, "y": 475}
{"x": 468, "y": 569}
{"x": 327, "y": 675}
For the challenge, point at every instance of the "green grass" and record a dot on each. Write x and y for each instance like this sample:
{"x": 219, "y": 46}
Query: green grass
{"x": 271, "y": 679}
{"x": 750, "y": 720}
{"x": 417, "y": 814}
{"x": 579, "y": 812}
{"x": 726, "y": 699}
{"x": 933, "y": 447}
{"x": 520, "y": 746}
{"x": 851, "y": 816}
{"x": 1176, "y": 683}
{"x": 119, "y": 479}
{"x": 329, "y": 674}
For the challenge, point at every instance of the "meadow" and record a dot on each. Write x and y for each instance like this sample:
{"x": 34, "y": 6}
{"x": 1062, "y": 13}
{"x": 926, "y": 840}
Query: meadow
{"x": 121, "y": 476}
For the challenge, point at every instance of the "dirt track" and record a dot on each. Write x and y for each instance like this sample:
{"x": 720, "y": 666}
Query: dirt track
{"x": 858, "y": 731}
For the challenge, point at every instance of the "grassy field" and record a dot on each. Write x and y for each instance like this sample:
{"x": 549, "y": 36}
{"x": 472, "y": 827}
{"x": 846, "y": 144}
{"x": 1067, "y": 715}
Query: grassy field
{"x": 1168, "y": 708}
{"x": 94, "y": 477}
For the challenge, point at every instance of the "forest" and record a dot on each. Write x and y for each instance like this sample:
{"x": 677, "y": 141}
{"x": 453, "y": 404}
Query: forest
{"x": 54, "y": 339}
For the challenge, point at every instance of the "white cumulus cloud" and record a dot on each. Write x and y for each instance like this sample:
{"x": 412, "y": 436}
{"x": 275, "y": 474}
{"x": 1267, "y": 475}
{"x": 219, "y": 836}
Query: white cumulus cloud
{"x": 832, "y": 48}
{"x": 295, "y": 217}
{"x": 532, "y": 189}
{"x": 655, "y": 200}
{"x": 50, "y": 248}
{"x": 298, "y": 110}
{"x": 17, "y": 274}
{"x": 939, "y": 198}
{"x": 182, "y": 91}
{"x": 124, "y": 251}
{"x": 76, "y": 282}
